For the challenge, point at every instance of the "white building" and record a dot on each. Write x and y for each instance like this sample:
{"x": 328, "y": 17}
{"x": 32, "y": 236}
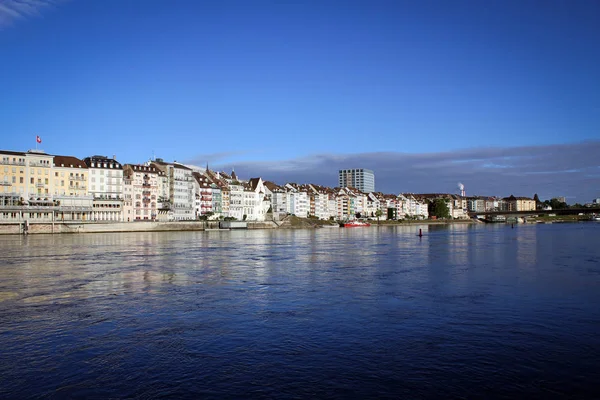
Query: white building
{"x": 319, "y": 201}
{"x": 256, "y": 201}
{"x": 105, "y": 184}
{"x": 278, "y": 196}
{"x": 182, "y": 200}
{"x": 297, "y": 200}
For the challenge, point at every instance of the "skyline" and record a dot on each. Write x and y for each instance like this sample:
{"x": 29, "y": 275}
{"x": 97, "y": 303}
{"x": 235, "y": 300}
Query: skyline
{"x": 504, "y": 97}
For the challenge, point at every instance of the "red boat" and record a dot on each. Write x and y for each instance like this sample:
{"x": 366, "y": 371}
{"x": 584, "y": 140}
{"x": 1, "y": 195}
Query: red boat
{"x": 354, "y": 224}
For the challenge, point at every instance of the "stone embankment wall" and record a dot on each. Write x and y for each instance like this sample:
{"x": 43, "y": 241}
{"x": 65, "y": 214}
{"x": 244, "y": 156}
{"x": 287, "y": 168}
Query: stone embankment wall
{"x": 94, "y": 227}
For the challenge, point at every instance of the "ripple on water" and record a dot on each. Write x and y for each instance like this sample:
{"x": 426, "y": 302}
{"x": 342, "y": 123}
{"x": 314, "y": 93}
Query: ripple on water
{"x": 468, "y": 312}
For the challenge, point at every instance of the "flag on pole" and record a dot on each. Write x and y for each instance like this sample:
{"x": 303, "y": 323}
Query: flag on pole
{"x": 38, "y": 139}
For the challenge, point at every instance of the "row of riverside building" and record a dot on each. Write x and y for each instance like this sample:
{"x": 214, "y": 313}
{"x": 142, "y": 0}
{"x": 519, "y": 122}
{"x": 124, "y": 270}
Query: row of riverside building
{"x": 37, "y": 186}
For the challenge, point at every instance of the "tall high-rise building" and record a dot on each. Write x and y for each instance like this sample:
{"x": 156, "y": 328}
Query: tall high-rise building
{"x": 361, "y": 179}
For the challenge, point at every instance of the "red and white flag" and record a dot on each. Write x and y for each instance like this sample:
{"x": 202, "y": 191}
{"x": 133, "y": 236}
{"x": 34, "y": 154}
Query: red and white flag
{"x": 38, "y": 139}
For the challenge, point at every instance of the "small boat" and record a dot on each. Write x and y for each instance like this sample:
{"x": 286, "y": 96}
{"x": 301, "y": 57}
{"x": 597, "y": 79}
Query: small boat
{"x": 354, "y": 224}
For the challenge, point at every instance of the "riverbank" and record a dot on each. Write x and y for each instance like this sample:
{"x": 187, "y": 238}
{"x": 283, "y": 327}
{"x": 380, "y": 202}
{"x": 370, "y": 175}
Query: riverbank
{"x": 16, "y": 228}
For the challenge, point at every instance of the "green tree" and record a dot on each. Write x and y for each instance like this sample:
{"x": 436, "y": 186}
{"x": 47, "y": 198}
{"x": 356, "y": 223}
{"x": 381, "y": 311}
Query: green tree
{"x": 557, "y": 204}
{"x": 537, "y": 200}
{"x": 439, "y": 209}
{"x": 378, "y": 214}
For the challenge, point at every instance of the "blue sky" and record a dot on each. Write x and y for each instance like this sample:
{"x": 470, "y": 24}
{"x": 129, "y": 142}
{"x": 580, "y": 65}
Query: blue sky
{"x": 272, "y": 87}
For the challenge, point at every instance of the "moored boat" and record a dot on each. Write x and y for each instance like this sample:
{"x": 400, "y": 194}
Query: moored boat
{"x": 354, "y": 224}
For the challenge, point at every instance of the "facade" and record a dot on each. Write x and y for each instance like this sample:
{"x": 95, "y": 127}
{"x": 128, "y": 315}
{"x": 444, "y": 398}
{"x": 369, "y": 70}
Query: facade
{"x": 236, "y": 200}
{"x": 256, "y": 200}
{"x": 105, "y": 185}
{"x": 181, "y": 201}
{"x": 204, "y": 194}
{"x": 297, "y": 200}
{"x": 13, "y": 178}
{"x": 519, "y": 203}
{"x": 144, "y": 191}
{"x": 278, "y": 197}
{"x": 361, "y": 179}
{"x": 70, "y": 194}
{"x": 40, "y": 183}
{"x": 128, "y": 214}
{"x": 319, "y": 200}
{"x": 70, "y": 176}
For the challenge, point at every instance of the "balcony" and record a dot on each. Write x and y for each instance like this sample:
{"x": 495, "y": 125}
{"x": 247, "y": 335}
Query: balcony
{"x": 38, "y": 164}
{"x": 77, "y": 178}
{"x": 7, "y": 162}
{"x": 39, "y": 185}
{"x": 5, "y": 184}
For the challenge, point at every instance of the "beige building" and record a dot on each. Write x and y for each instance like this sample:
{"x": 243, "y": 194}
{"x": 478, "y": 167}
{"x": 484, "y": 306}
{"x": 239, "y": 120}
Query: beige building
{"x": 70, "y": 176}
{"x": 13, "y": 178}
{"x": 520, "y": 203}
{"x": 39, "y": 180}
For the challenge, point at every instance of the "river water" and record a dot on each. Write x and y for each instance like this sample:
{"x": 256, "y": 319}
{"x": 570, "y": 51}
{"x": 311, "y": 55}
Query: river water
{"x": 466, "y": 311}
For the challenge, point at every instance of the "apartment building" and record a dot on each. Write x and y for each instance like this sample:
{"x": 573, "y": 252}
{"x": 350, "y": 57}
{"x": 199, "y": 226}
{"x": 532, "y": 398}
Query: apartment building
{"x": 105, "y": 184}
{"x": 143, "y": 180}
{"x": 13, "y": 178}
{"x": 360, "y": 178}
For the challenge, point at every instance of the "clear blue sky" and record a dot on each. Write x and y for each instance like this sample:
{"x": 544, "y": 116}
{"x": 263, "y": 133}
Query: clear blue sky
{"x": 271, "y": 80}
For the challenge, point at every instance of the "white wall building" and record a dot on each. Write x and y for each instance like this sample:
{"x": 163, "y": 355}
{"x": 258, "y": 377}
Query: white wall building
{"x": 297, "y": 200}
{"x": 105, "y": 184}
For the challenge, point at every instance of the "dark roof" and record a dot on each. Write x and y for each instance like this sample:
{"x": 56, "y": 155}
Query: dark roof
{"x": 69, "y": 161}
{"x": 99, "y": 160}
{"x": 12, "y": 153}
{"x": 253, "y": 182}
{"x": 272, "y": 186}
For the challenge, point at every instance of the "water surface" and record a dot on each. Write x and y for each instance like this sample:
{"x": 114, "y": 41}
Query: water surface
{"x": 467, "y": 311}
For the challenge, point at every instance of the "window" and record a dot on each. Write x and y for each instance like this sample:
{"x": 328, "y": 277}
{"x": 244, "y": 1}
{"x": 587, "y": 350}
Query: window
{"x": 21, "y": 180}
{"x": 14, "y": 179}
{"x": 32, "y": 181}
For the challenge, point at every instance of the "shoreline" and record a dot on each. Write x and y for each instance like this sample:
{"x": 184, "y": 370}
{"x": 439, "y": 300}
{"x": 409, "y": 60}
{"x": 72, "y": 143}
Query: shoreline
{"x": 36, "y": 228}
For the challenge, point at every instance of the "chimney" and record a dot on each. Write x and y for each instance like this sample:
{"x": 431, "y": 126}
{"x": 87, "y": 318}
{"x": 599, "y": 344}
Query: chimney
{"x": 114, "y": 157}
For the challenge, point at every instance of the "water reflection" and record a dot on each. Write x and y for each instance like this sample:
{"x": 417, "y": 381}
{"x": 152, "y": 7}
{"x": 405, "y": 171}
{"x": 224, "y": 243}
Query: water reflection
{"x": 464, "y": 311}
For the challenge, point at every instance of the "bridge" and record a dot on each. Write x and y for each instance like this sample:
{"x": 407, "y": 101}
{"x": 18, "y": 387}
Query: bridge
{"x": 564, "y": 211}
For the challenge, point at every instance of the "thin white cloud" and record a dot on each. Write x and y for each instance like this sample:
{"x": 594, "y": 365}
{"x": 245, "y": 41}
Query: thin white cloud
{"x": 12, "y": 10}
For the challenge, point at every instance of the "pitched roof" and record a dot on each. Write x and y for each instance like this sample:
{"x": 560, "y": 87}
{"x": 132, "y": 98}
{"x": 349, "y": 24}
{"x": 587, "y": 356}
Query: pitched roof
{"x": 69, "y": 161}
{"x": 12, "y": 153}
{"x": 272, "y": 186}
